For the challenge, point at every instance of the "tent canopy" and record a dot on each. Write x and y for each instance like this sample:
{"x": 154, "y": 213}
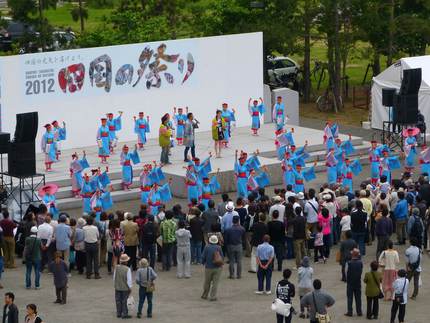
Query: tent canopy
{"x": 391, "y": 78}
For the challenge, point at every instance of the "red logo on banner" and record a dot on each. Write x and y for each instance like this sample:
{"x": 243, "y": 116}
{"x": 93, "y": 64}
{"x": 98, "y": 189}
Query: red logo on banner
{"x": 71, "y": 78}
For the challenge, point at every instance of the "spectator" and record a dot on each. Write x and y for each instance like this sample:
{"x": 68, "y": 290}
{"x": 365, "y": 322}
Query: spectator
{"x": 91, "y": 239}
{"x": 345, "y": 224}
{"x": 241, "y": 210}
{"x": 353, "y": 282}
{"x": 79, "y": 245}
{"x": 63, "y": 233}
{"x": 222, "y": 205}
{"x": 31, "y": 316}
{"x": 265, "y": 255}
{"x": 259, "y": 229}
{"x": 299, "y": 235}
{"x": 289, "y": 192}
{"x": 305, "y": 273}
{"x": 213, "y": 269}
{"x": 123, "y": 283}
{"x": 277, "y": 206}
{"x": 149, "y": 239}
{"x": 131, "y": 239}
{"x": 383, "y": 231}
{"x": 317, "y": 301}
{"x": 413, "y": 264}
{"x": 209, "y": 217}
{"x": 249, "y": 222}
{"x": 345, "y": 252}
{"x": 415, "y": 227}
{"x": 10, "y": 310}
{"x": 358, "y": 226}
{"x": 400, "y": 213}
{"x": 325, "y": 219}
{"x": 145, "y": 277}
{"x": 167, "y": 231}
{"x": 183, "y": 254}
{"x": 227, "y": 219}
{"x": 388, "y": 260}
{"x": 32, "y": 258}
{"x": 58, "y": 268}
{"x": 178, "y": 215}
{"x": 285, "y": 291}
{"x": 103, "y": 226}
{"x": 45, "y": 233}
{"x": 234, "y": 239}
{"x": 400, "y": 287}
{"x": 276, "y": 231}
{"x": 311, "y": 211}
{"x": 373, "y": 280}
{"x": 196, "y": 230}
{"x": 319, "y": 245}
{"x": 8, "y": 226}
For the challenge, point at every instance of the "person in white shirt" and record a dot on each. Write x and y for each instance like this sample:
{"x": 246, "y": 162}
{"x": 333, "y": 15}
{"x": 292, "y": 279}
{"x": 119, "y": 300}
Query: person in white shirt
{"x": 279, "y": 207}
{"x": 46, "y": 233}
{"x": 413, "y": 264}
{"x": 345, "y": 224}
{"x": 289, "y": 192}
{"x": 311, "y": 211}
{"x": 123, "y": 283}
{"x": 91, "y": 238}
{"x": 400, "y": 298}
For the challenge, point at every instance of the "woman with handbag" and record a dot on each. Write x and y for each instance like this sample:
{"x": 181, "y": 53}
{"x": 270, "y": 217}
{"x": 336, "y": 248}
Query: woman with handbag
{"x": 145, "y": 277}
{"x": 400, "y": 298}
{"x": 373, "y": 280}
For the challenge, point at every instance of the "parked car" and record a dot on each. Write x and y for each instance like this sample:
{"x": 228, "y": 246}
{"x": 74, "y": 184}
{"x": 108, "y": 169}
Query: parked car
{"x": 16, "y": 30}
{"x": 62, "y": 39}
{"x": 280, "y": 68}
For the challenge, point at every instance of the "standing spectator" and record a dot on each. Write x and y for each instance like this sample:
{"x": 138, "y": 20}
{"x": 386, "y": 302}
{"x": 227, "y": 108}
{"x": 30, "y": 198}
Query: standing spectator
{"x": 319, "y": 245}
{"x": 353, "y": 282}
{"x": 285, "y": 291}
{"x": 299, "y": 235}
{"x": 10, "y": 310}
{"x": 415, "y": 227}
{"x": 58, "y": 268}
{"x": 131, "y": 239}
{"x": 32, "y": 258}
{"x": 183, "y": 253}
{"x": 241, "y": 210}
{"x": 164, "y": 134}
{"x": 189, "y": 136}
{"x": 167, "y": 231}
{"x": 149, "y": 239}
{"x": 145, "y": 277}
{"x": 213, "y": 270}
{"x": 31, "y": 316}
{"x": 265, "y": 255}
{"x": 9, "y": 242}
{"x": 383, "y": 231}
{"x": 91, "y": 239}
{"x": 45, "y": 234}
{"x": 276, "y": 231}
{"x": 311, "y": 211}
{"x": 278, "y": 206}
{"x": 345, "y": 224}
{"x": 259, "y": 229}
{"x": 62, "y": 234}
{"x": 400, "y": 213}
{"x": 325, "y": 219}
{"x": 123, "y": 283}
{"x": 317, "y": 301}
{"x": 289, "y": 216}
{"x": 289, "y": 192}
{"x": 400, "y": 287}
{"x": 346, "y": 248}
{"x": 233, "y": 240}
{"x": 388, "y": 260}
{"x": 358, "y": 226}
{"x": 103, "y": 226}
{"x": 209, "y": 217}
{"x": 250, "y": 218}
{"x": 413, "y": 264}
{"x": 305, "y": 273}
{"x": 227, "y": 219}
{"x": 196, "y": 230}
{"x": 79, "y": 245}
{"x": 178, "y": 215}
{"x": 222, "y": 205}
{"x": 373, "y": 280}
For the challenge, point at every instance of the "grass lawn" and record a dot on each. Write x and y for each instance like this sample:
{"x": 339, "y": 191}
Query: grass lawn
{"x": 62, "y": 18}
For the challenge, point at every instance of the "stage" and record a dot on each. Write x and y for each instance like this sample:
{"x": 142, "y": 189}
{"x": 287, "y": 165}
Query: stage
{"x": 241, "y": 140}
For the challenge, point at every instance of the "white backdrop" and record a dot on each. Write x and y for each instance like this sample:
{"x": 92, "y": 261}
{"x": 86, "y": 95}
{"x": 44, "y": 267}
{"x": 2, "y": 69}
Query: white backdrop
{"x": 226, "y": 69}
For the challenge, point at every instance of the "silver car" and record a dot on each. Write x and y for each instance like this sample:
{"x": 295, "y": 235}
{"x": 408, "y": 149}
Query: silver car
{"x": 280, "y": 66}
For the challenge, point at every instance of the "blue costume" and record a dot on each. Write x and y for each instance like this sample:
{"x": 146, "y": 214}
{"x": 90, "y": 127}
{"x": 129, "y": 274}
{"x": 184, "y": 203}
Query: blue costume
{"x": 103, "y": 141}
{"x": 228, "y": 117}
{"x": 330, "y": 134}
{"x": 101, "y": 202}
{"x": 127, "y": 159}
{"x": 86, "y": 194}
{"x": 114, "y": 125}
{"x": 374, "y": 159}
{"x": 157, "y": 196}
{"x": 76, "y": 168}
{"x": 278, "y": 115}
{"x": 209, "y": 188}
{"x": 255, "y": 111}
{"x": 191, "y": 180}
{"x": 49, "y": 147}
{"x": 411, "y": 152}
{"x": 289, "y": 178}
{"x": 242, "y": 174}
{"x": 49, "y": 200}
{"x": 331, "y": 164}
{"x": 347, "y": 176}
{"x": 145, "y": 186}
{"x": 180, "y": 120}
{"x": 425, "y": 161}
{"x": 141, "y": 128}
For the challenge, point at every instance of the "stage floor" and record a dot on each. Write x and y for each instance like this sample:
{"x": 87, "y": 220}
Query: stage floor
{"x": 242, "y": 139}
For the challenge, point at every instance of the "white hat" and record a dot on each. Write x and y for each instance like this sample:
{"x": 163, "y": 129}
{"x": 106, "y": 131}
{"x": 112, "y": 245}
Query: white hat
{"x": 213, "y": 239}
{"x": 300, "y": 196}
{"x": 33, "y": 229}
{"x": 128, "y": 215}
{"x": 124, "y": 258}
{"x": 229, "y": 206}
{"x": 326, "y": 196}
{"x": 277, "y": 198}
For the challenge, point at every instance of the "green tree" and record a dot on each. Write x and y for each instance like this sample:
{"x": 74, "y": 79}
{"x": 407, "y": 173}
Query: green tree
{"x": 79, "y": 13}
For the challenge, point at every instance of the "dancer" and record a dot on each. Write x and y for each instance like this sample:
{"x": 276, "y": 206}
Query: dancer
{"x": 145, "y": 183}
{"x": 49, "y": 147}
{"x": 76, "y": 167}
{"x": 180, "y": 118}
{"x": 331, "y": 132}
{"x": 103, "y": 141}
{"x": 409, "y": 146}
{"x": 374, "y": 159}
{"x": 210, "y": 187}
{"x": 191, "y": 179}
{"x": 60, "y": 135}
{"x": 278, "y": 114}
{"x": 229, "y": 117}
{"x": 101, "y": 201}
{"x": 141, "y": 128}
{"x": 114, "y": 125}
{"x": 47, "y": 194}
{"x": 126, "y": 160}
{"x": 301, "y": 175}
{"x": 425, "y": 160}
{"x": 331, "y": 164}
{"x": 158, "y": 195}
{"x": 255, "y": 110}
{"x": 287, "y": 169}
{"x": 257, "y": 179}
{"x": 284, "y": 139}
{"x": 241, "y": 172}
{"x": 347, "y": 176}
{"x": 219, "y": 126}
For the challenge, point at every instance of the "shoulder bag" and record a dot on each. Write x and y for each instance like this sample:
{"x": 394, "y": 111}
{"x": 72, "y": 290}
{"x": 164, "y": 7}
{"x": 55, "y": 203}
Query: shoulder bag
{"x": 381, "y": 294}
{"x": 398, "y": 297}
{"x": 151, "y": 286}
{"x": 217, "y": 260}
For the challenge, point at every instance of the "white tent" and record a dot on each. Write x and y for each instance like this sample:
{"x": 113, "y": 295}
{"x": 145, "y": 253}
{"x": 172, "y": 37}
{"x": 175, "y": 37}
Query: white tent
{"x": 391, "y": 78}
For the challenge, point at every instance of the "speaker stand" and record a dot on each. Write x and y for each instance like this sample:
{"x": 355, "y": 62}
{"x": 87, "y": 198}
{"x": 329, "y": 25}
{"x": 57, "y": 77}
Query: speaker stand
{"x": 392, "y": 135}
{"x": 23, "y": 190}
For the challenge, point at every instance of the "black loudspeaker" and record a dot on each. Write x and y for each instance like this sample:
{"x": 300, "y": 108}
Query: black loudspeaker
{"x": 4, "y": 142}
{"x": 22, "y": 159}
{"x": 406, "y": 109}
{"x": 388, "y": 95}
{"x": 411, "y": 81}
{"x": 26, "y": 127}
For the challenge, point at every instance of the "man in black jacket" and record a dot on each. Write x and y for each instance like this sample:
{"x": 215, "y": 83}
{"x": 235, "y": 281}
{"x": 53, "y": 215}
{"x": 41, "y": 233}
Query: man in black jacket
{"x": 346, "y": 247}
{"x": 359, "y": 226}
{"x": 10, "y": 311}
{"x": 383, "y": 231}
{"x": 258, "y": 229}
{"x": 353, "y": 282}
{"x": 299, "y": 235}
{"x": 149, "y": 238}
{"x": 276, "y": 231}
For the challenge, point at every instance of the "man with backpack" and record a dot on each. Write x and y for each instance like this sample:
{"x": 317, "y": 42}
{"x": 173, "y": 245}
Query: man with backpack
{"x": 149, "y": 238}
{"x": 415, "y": 227}
{"x": 413, "y": 264}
